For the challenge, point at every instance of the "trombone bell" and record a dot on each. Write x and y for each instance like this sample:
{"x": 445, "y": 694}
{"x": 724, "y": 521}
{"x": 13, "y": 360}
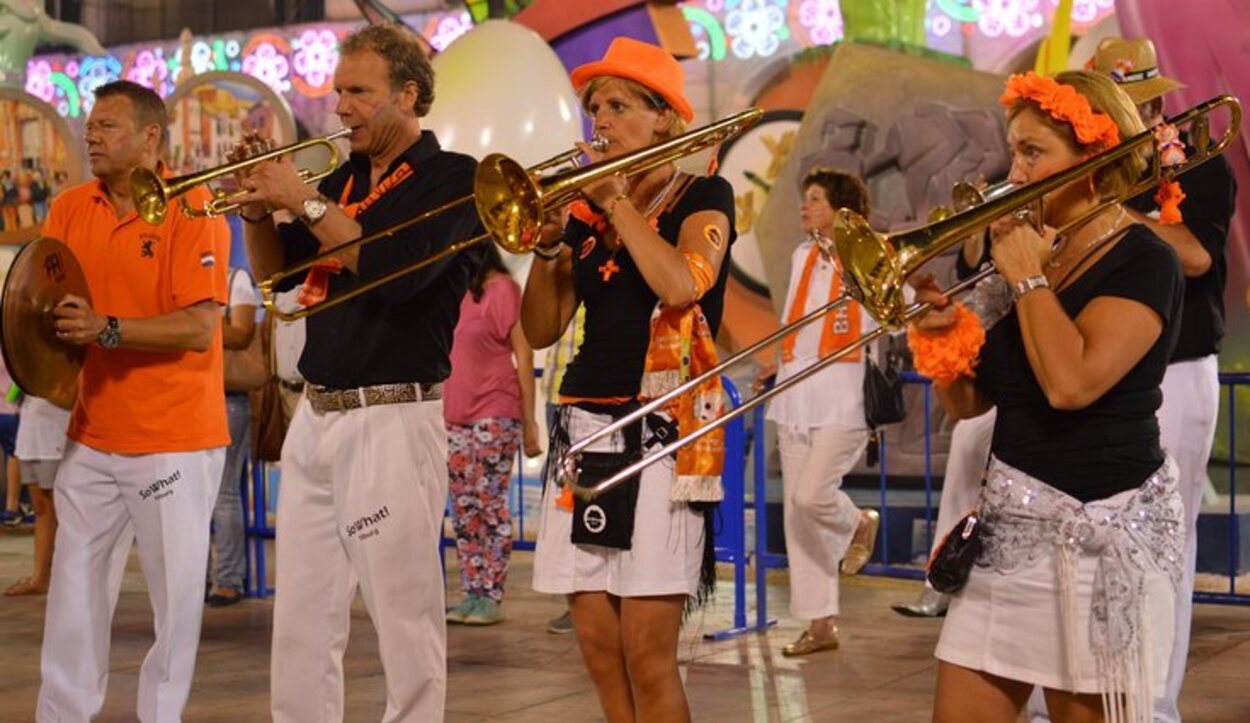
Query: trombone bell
{"x": 509, "y": 202}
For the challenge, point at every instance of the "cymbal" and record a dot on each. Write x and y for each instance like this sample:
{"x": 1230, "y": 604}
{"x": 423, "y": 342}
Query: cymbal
{"x": 44, "y": 271}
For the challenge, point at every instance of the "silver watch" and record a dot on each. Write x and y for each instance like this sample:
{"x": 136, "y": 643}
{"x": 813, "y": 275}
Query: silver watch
{"x": 111, "y": 336}
{"x": 314, "y": 210}
{"x": 1026, "y": 285}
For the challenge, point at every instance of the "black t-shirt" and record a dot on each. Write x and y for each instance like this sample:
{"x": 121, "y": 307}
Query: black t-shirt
{"x": 618, "y": 311}
{"x": 1113, "y": 444}
{"x": 402, "y": 331}
{"x": 1210, "y": 195}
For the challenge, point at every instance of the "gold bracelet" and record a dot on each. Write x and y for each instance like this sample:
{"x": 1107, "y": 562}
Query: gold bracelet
{"x": 611, "y": 207}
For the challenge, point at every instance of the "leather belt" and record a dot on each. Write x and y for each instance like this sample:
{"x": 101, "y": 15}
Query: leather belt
{"x": 341, "y": 400}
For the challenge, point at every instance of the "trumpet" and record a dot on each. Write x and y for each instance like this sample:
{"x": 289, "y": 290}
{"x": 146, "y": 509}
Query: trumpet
{"x": 512, "y": 202}
{"x": 875, "y": 268}
{"x": 152, "y": 194}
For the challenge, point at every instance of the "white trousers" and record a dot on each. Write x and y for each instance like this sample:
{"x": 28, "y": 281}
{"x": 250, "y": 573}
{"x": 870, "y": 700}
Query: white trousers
{"x": 103, "y": 502}
{"x": 1191, "y": 406}
{"x": 362, "y": 501}
{"x": 965, "y": 466}
{"x": 820, "y": 519}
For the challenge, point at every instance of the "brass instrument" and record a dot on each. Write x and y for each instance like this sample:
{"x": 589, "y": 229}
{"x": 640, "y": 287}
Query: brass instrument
{"x": 512, "y": 203}
{"x": 875, "y": 268}
{"x": 965, "y": 195}
{"x": 152, "y": 194}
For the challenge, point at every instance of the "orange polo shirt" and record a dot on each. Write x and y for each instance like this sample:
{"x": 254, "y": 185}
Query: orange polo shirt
{"x": 133, "y": 401}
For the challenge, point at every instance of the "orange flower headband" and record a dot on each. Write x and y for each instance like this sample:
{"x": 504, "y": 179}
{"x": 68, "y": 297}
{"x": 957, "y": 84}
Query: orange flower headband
{"x": 1063, "y": 103}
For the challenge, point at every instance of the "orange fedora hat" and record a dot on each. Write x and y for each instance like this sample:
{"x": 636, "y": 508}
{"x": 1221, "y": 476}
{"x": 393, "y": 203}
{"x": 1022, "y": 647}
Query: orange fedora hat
{"x": 650, "y": 65}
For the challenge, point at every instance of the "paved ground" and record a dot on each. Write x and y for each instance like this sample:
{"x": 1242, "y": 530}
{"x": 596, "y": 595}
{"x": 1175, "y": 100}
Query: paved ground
{"x": 516, "y": 672}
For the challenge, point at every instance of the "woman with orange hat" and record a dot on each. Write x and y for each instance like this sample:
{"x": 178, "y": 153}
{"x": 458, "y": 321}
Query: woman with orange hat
{"x": 1082, "y": 526}
{"x": 644, "y": 255}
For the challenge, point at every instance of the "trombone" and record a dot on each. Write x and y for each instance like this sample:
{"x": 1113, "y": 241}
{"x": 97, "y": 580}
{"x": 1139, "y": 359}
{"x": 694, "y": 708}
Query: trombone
{"x": 512, "y": 203}
{"x": 875, "y": 268}
{"x": 152, "y": 194}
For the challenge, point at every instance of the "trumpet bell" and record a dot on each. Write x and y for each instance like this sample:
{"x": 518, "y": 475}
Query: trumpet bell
{"x": 509, "y": 202}
{"x": 149, "y": 194}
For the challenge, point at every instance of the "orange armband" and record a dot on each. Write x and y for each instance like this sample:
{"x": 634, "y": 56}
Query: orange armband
{"x": 700, "y": 271}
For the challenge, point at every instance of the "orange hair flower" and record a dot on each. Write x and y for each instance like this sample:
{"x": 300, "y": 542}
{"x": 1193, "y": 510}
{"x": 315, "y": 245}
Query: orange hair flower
{"x": 1063, "y": 103}
{"x": 951, "y": 353}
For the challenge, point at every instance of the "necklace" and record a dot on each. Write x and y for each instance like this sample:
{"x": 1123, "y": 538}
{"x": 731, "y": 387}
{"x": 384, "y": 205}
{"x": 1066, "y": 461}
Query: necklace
{"x": 659, "y": 197}
{"x": 610, "y": 267}
{"x": 1055, "y": 262}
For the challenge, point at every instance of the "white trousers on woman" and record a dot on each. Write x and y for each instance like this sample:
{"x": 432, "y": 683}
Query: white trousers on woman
{"x": 820, "y": 519}
{"x": 103, "y": 502}
{"x": 361, "y": 505}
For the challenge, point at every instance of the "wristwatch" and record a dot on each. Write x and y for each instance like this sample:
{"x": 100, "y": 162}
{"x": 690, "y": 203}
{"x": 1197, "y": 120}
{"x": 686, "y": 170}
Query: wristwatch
{"x": 111, "y": 336}
{"x": 1026, "y": 285}
{"x": 314, "y": 210}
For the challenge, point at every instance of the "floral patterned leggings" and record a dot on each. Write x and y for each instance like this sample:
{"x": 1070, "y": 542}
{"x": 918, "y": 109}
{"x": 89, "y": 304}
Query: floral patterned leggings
{"x": 479, "y": 463}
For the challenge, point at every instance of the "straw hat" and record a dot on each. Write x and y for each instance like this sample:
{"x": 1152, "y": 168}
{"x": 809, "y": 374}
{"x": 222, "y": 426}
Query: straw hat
{"x": 1133, "y": 64}
{"x": 650, "y": 65}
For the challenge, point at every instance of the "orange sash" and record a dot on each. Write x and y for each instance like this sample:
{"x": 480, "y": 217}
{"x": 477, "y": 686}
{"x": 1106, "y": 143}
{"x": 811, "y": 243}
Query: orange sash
{"x": 841, "y": 327}
{"x": 317, "y": 283}
{"x": 681, "y": 348}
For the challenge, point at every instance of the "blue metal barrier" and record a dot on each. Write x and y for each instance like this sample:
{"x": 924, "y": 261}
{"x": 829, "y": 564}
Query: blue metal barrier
{"x": 1232, "y": 597}
{"x": 730, "y": 540}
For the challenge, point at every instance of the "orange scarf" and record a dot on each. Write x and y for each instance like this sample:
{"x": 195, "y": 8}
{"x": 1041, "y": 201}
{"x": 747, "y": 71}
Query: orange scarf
{"x": 681, "y": 348}
{"x": 841, "y": 327}
{"x": 317, "y": 283}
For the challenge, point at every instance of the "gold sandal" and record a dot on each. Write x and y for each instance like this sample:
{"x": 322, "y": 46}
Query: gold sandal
{"x": 806, "y": 645}
{"x": 863, "y": 544}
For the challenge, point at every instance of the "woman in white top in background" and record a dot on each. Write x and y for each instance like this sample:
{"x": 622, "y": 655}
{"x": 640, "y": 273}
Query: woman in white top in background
{"x": 821, "y": 430}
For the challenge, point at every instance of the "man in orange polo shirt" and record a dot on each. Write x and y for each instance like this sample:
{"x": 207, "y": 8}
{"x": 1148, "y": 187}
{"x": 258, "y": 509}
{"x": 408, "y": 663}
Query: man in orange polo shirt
{"x": 148, "y": 430}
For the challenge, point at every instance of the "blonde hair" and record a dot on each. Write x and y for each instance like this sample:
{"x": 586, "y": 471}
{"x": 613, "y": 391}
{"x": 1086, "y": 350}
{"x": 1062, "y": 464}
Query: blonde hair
{"x": 1104, "y": 96}
{"x": 648, "y": 96}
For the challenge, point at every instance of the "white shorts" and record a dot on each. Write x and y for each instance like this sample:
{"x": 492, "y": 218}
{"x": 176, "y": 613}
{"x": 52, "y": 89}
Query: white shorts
{"x": 667, "y": 546}
{"x": 40, "y": 472}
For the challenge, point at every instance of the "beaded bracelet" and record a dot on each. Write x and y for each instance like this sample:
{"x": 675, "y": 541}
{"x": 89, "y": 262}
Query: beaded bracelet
{"x": 547, "y": 254}
{"x": 264, "y": 217}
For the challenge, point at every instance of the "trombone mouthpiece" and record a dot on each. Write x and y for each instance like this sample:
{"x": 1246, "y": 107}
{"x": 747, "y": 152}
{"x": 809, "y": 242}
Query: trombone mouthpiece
{"x": 599, "y": 143}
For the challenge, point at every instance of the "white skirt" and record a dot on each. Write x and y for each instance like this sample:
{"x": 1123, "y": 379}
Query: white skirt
{"x": 667, "y": 547}
{"x": 1008, "y": 620}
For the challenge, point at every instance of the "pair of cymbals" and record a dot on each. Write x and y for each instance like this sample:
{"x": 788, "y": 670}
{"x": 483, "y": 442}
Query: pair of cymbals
{"x": 42, "y": 274}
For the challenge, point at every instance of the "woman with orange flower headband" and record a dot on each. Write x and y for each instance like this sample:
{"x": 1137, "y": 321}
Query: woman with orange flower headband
{"x": 1074, "y": 588}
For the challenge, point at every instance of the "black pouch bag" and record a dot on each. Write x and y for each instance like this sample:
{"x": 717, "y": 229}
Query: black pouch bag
{"x": 883, "y": 393}
{"x": 952, "y": 560}
{"x": 608, "y": 519}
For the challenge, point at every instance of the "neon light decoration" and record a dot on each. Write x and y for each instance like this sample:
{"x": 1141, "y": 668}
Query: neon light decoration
{"x": 298, "y": 62}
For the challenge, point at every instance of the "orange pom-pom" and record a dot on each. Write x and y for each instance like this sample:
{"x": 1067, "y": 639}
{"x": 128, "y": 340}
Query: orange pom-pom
{"x": 948, "y": 354}
{"x": 1169, "y": 199}
{"x": 564, "y": 500}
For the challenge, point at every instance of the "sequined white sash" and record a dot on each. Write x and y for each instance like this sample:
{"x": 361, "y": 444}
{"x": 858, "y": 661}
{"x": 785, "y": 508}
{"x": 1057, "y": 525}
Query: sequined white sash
{"x": 1027, "y": 520}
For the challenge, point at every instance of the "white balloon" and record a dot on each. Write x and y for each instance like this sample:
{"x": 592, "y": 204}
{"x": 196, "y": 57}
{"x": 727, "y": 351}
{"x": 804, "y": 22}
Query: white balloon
{"x": 499, "y": 88}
